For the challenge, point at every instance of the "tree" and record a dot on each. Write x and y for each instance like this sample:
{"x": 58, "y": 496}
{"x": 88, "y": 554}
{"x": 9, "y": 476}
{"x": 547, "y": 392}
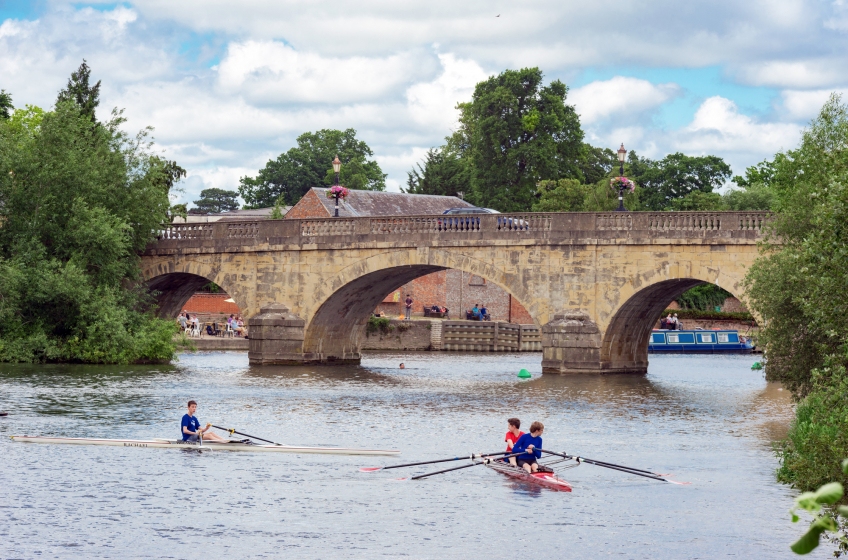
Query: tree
{"x": 75, "y": 215}
{"x": 78, "y": 90}
{"x": 675, "y": 176}
{"x": 6, "y": 106}
{"x": 565, "y": 195}
{"x": 215, "y": 201}
{"x": 516, "y": 132}
{"x": 697, "y": 201}
{"x": 597, "y": 163}
{"x": 703, "y": 298}
{"x": 756, "y": 196}
{"x": 444, "y": 173}
{"x": 797, "y": 285}
{"x": 309, "y": 164}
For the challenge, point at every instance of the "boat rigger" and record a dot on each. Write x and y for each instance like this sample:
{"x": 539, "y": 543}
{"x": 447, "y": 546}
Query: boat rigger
{"x": 229, "y": 445}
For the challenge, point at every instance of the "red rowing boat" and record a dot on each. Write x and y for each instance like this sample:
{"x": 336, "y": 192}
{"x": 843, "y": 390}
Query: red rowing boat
{"x": 546, "y": 479}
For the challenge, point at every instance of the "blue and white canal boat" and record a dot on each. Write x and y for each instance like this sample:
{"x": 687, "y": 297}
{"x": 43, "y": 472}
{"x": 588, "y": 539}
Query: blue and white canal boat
{"x": 703, "y": 342}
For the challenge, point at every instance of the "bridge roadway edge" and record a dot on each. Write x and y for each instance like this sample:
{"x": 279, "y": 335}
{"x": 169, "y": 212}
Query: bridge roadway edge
{"x": 593, "y": 280}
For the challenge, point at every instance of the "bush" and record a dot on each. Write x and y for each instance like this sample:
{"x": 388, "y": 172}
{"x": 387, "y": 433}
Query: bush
{"x": 383, "y": 325}
{"x": 818, "y": 438}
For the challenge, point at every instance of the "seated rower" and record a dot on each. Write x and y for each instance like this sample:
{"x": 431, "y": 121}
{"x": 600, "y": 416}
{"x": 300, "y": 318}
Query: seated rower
{"x": 528, "y": 445}
{"x": 191, "y": 430}
{"x": 512, "y": 436}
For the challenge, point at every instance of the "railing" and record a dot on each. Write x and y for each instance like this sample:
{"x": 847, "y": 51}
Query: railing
{"x": 671, "y": 221}
{"x": 187, "y": 231}
{"x": 529, "y": 226}
{"x": 320, "y": 228}
{"x": 242, "y": 230}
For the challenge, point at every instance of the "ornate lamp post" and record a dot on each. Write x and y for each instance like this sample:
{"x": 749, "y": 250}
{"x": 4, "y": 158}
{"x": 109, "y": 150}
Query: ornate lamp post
{"x": 337, "y": 165}
{"x": 621, "y": 182}
{"x": 337, "y": 191}
{"x": 622, "y": 153}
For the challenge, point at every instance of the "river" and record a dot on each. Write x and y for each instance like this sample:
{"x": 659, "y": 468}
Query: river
{"x": 709, "y": 420}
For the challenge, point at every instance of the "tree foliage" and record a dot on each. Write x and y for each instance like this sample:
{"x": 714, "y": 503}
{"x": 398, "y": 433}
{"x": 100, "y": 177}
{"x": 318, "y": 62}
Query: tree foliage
{"x": 81, "y": 92}
{"x": 78, "y": 201}
{"x": 798, "y": 285}
{"x": 444, "y": 173}
{"x": 309, "y": 164}
{"x": 677, "y": 176}
{"x": 705, "y": 297}
{"x": 514, "y": 133}
{"x": 215, "y": 201}
{"x": 6, "y": 106}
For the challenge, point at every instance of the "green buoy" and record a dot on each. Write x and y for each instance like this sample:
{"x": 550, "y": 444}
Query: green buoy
{"x": 524, "y": 374}
{"x": 757, "y": 365}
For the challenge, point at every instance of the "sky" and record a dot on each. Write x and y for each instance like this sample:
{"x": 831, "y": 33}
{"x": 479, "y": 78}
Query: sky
{"x": 229, "y": 85}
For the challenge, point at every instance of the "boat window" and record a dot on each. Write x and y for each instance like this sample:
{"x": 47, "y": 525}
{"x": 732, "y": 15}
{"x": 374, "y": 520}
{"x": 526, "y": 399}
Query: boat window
{"x": 706, "y": 337}
{"x": 657, "y": 338}
{"x": 723, "y": 337}
{"x": 673, "y": 338}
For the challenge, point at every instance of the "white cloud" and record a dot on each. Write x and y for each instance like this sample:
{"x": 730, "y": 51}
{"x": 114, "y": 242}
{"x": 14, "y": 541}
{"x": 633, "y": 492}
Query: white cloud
{"x": 805, "y": 105}
{"x": 719, "y": 128}
{"x": 598, "y": 100}
{"x": 810, "y": 73}
{"x": 434, "y": 103}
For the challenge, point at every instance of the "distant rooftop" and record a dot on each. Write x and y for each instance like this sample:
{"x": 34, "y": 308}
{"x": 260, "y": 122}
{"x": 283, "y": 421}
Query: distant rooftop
{"x": 373, "y": 203}
{"x": 254, "y": 214}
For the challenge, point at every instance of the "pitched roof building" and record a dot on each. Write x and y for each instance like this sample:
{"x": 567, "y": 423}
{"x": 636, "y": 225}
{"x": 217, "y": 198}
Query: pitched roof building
{"x": 315, "y": 204}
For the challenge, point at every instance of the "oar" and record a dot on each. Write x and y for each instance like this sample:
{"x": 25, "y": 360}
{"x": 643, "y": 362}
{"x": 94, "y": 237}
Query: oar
{"x": 637, "y": 472}
{"x": 470, "y": 457}
{"x": 462, "y": 467}
{"x": 232, "y": 431}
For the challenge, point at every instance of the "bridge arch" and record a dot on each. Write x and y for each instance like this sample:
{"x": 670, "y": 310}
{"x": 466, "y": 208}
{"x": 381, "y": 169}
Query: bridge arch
{"x": 624, "y": 346}
{"x": 174, "y": 286}
{"x": 336, "y": 329}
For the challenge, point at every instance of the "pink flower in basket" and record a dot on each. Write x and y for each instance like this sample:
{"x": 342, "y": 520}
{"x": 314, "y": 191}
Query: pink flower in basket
{"x": 622, "y": 183}
{"x": 337, "y": 190}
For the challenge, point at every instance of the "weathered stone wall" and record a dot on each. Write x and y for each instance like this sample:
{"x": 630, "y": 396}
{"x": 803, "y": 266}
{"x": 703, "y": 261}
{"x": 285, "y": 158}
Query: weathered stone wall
{"x": 620, "y": 269}
{"x": 403, "y": 335}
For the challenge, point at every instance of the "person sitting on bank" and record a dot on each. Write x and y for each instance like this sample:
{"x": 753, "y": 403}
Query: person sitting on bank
{"x": 529, "y": 445}
{"x": 512, "y": 435}
{"x": 484, "y": 314}
{"x": 190, "y": 427}
{"x": 475, "y": 312}
{"x": 677, "y": 324}
{"x": 182, "y": 321}
{"x": 239, "y": 327}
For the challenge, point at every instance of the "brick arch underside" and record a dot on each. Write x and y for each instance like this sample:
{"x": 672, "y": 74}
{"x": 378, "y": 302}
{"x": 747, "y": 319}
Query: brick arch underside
{"x": 173, "y": 290}
{"x": 625, "y": 344}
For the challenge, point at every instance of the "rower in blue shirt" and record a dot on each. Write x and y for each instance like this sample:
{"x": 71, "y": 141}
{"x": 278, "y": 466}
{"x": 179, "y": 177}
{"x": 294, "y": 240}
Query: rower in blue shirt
{"x": 529, "y": 445}
{"x": 190, "y": 427}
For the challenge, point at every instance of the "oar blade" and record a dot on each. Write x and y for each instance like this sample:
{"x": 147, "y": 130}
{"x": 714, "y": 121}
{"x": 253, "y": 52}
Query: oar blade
{"x": 370, "y": 469}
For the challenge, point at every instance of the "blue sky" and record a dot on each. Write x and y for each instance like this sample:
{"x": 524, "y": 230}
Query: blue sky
{"x": 228, "y": 86}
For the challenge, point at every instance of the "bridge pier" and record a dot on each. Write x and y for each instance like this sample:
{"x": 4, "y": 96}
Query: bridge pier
{"x": 571, "y": 343}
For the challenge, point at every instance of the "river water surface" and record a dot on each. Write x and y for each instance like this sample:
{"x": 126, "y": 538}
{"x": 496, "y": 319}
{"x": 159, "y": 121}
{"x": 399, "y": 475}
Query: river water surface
{"x": 708, "y": 420}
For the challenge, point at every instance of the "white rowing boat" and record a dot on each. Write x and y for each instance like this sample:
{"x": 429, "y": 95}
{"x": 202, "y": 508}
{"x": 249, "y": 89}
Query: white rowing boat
{"x": 232, "y": 445}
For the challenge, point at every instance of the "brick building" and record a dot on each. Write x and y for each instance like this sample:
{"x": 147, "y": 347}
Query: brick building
{"x": 454, "y": 289}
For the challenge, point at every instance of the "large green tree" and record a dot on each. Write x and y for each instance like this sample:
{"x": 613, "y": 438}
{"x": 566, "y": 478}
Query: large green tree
{"x": 78, "y": 201}
{"x": 675, "y": 177}
{"x": 443, "y": 173}
{"x": 515, "y": 132}
{"x": 798, "y": 285}
{"x": 309, "y": 164}
{"x": 215, "y": 201}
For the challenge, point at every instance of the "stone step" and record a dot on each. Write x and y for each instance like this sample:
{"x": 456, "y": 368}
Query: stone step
{"x": 436, "y": 335}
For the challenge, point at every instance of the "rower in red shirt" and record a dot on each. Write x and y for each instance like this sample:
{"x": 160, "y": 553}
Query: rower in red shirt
{"x": 512, "y": 436}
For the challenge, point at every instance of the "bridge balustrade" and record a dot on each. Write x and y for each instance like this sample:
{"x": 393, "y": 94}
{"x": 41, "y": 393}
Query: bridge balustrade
{"x": 530, "y": 225}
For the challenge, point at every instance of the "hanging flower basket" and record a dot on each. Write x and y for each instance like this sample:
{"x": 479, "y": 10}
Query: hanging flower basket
{"x": 623, "y": 184}
{"x": 337, "y": 192}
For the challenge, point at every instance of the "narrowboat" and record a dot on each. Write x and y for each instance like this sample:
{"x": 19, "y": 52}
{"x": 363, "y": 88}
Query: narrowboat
{"x": 698, "y": 341}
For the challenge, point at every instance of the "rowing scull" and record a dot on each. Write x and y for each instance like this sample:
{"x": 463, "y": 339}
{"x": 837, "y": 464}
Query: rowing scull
{"x": 207, "y": 445}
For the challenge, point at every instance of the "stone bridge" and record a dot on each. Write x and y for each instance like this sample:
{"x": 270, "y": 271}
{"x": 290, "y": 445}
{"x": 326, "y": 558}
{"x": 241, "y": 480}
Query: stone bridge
{"x": 595, "y": 282}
